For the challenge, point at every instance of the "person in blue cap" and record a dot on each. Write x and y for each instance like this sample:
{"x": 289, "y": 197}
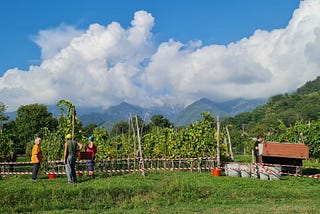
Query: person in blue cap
{"x": 91, "y": 148}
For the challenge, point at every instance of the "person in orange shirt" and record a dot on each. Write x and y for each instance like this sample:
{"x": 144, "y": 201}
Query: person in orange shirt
{"x": 36, "y": 158}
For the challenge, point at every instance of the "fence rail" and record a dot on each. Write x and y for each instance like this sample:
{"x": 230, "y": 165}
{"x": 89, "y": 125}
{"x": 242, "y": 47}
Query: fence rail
{"x": 125, "y": 165}
{"x": 114, "y": 165}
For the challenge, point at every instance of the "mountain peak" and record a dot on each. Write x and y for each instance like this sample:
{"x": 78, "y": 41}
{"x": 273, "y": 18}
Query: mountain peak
{"x": 178, "y": 116}
{"x": 205, "y": 100}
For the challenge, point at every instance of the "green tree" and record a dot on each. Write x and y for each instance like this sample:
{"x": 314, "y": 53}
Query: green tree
{"x": 124, "y": 127}
{"x": 301, "y": 132}
{"x": 9, "y": 130}
{"x": 6, "y": 145}
{"x": 311, "y": 137}
{"x": 29, "y": 122}
{"x": 88, "y": 130}
{"x": 6, "y": 148}
{"x": 310, "y": 87}
{"x": 121, "y": 127}
{"x": 3, "y": 108}
{"x": 288, "y": 108}
{"x": 160, "y": 121}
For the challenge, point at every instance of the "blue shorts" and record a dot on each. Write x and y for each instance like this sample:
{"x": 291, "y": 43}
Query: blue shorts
{"x": 90, "y": 165}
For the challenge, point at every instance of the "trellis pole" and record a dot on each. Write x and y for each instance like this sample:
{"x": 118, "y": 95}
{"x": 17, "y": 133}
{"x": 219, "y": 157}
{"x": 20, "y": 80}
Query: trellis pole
{"x": 229, "y": 142}
{"x": 128, "y": 160}
{"x": 140, "y": 147}
{"x": 218, "y": 141}
{"x": 134, "y": 142}
{"x": 72, "y": 132}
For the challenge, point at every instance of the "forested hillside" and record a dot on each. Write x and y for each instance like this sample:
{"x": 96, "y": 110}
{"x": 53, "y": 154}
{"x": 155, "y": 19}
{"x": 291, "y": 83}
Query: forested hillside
{"x": 304, "y": 104}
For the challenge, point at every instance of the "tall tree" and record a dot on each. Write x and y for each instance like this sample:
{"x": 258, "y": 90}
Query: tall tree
{"x": 160, "y": 121}
{"x": 29, "y": 122}
{"x": 3, "y": 108}
{"x": 121, "y": 127}
{"x": 89, "y": 129}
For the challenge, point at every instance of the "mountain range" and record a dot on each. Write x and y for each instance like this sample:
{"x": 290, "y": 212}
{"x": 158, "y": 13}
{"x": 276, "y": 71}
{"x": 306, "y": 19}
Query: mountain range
{"x": 178, "y": 115}
{"x": 286, "y": 106}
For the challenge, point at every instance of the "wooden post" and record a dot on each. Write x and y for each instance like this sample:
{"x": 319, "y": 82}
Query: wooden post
{"x": 225, "y": 142}
{"x": 140, "y": 148}
{"x": 72, "y": 133}
{"x": 129, "y": 138}
{"x": 218, "y": 141}
{"x": 134, "y": 142}
{"x": 229, "y": 141}
{"x": 252, "y": 156}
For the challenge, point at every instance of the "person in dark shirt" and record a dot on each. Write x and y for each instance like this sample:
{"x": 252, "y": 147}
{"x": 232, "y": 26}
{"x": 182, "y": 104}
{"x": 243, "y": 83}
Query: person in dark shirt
{"x": 71, "y": 148}
{"x": 259, "y": 140}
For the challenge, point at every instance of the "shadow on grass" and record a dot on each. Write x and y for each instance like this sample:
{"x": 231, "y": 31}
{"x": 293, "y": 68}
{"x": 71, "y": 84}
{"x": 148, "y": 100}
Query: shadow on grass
{"x": 310, "y": 171}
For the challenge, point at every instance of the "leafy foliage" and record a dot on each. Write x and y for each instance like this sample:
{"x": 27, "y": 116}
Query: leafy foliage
{"x": 301, "y": 105}
{"x": 121, "y": 127}
{"x": 3, "y": 108}
{"x": 288, "y": 117}
{"x": 30, "y": 120}
{"x": 197, "y": 140}
{"x": 68, "y": 121}
{"x": 310, "y": 86}
{"x": 6, "y": 151}
{"x": 160, "y": 121}
{"x": 301, "y": 132}
{"x": 52, "y": 145}
{"x": 89, "y": 129}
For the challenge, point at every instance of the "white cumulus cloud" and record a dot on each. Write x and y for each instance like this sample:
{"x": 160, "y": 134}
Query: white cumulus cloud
{"x": 53, "y": 40}
{"x": 106, "y": 65}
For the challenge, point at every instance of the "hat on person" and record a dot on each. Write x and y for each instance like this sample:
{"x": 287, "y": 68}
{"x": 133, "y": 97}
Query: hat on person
{"x": 68, "y": 136}
{"x": 90, "y": 138}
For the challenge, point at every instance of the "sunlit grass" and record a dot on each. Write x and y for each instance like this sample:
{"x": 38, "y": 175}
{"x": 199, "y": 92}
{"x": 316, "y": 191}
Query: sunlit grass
{"x": 160, "y": 192}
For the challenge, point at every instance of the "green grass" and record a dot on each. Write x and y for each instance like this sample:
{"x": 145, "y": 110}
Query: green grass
{"x": 159, "y": 192}
{"x": 243, "y": 158}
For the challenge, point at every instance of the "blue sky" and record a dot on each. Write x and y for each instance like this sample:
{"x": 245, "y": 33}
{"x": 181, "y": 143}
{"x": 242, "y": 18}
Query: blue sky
{"x": 160, "y": 52}
{"x": 211, "y": 21}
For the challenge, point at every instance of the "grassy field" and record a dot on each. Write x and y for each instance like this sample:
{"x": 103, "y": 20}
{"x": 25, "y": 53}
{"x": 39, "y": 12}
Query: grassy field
{"x": 159, "y": 192}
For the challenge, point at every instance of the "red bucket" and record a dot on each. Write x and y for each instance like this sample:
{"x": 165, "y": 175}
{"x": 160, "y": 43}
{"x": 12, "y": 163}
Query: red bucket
{"x": 216, "y": 172}
{"x": 52, "y": 176}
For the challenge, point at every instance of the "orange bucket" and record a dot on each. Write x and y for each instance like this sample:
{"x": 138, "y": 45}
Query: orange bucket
{"x": 216, "y": 171}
